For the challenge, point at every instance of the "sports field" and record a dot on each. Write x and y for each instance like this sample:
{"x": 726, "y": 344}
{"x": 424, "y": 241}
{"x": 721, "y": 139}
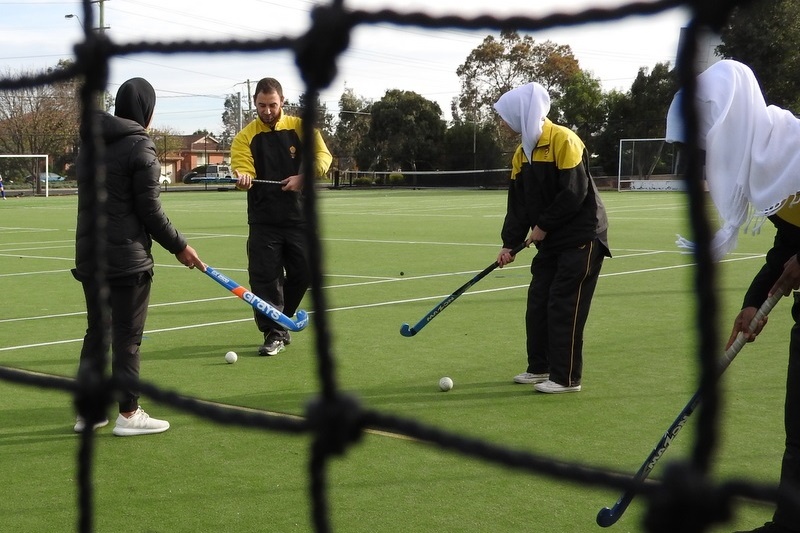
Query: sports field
{"x": 389, "y": 257}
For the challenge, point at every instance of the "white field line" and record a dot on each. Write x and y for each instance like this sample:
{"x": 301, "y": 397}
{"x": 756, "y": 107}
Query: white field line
{"x": 336, "y": 309}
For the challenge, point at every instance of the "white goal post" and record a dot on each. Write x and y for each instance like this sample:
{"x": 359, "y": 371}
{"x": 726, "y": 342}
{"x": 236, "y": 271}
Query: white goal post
{"x": 649, "y": 165}
{"x": 34, "y": 156}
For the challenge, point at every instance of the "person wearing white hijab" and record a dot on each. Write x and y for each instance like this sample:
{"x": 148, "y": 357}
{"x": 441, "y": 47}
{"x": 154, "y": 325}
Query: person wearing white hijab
{"x": 752, "y": 149}
{"x": 554, "y": 205}
{"x": 752, "y": 152}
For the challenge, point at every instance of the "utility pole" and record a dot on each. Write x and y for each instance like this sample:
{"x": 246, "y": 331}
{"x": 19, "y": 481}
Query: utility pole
{"x": 239, "y": 112}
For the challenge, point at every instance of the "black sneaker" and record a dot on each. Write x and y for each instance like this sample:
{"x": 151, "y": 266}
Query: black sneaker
{"x": 769, "y": 527}
{"x": 271, "y": 346}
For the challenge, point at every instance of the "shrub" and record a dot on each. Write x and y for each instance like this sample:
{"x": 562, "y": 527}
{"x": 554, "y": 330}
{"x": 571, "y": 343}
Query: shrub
{"x": 362, "y": 181}
{"x": 396, "y": 178}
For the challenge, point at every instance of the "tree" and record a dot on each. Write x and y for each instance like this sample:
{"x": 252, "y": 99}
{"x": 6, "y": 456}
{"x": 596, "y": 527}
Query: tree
{"x": 406, "y": 132}
{"x": 640, "y": 113}
{"x": 497, "y": 66}
{"x": 352, "y": 128}
{"x": 581, "y": 105}
{"x": 234, "y": 118}
{"x": 766, "y": 37}
{"x": 167, "y": 141}
{"x": 469, "y": 146}
{"x": 39, "y": 120}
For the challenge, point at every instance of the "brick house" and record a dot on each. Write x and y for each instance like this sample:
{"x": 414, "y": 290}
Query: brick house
{"x": 196, "y": 150}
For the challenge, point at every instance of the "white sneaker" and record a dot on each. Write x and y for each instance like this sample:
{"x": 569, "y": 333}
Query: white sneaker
{"x": 551, "y": 387}
{"x": 528, "y": 378}
{"x": 139, "y": 423}
{"x": 80, "y": 423}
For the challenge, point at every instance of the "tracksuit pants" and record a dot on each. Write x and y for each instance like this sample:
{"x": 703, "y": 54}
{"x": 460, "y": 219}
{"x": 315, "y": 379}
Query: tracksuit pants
{"x": 279, "y": 271}
{"x": 559, "y": 298}
{"x": 128, "y": 299}
{"x": 788, "y": 515}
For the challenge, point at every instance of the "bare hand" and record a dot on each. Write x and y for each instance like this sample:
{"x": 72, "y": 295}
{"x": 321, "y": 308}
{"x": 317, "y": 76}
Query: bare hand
{"x": 188, "y": 257}
{"x": 293, "y": 183}
{"x": 742, "y": 324}
{"x": 537, "y": 236}
{"x": 504, "y": 257}
{"x": 243, "y": 180}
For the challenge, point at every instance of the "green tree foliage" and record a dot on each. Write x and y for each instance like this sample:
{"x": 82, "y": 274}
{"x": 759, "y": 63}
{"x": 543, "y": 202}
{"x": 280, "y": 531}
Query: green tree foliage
{"x": 406, "y": 132}
{"x": 638, "y": 114}
{"x": 497, "y": 66}
{"x": 765, "y": 35}
{"x": 469, "y": 146}
{"x": 352, "y": 128}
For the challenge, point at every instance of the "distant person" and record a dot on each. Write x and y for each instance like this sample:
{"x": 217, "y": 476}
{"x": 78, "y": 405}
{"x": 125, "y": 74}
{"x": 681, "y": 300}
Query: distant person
{"x": 2, "y": 188}
{"x": 752, "y": 153}
{"x": 134, "y": 218}
{"x": 271, "y": 148}
{"x": 554, "y": 205}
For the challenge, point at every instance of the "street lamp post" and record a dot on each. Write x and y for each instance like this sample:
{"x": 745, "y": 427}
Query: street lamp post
{"x": 76, "y": 17}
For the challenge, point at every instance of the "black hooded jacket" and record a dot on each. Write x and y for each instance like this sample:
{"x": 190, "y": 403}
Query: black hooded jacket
{"x": 133, "y": 209}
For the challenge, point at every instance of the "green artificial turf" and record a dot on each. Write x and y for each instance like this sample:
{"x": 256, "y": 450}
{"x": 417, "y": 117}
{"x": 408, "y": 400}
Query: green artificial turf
{"x": 389, "y": 256}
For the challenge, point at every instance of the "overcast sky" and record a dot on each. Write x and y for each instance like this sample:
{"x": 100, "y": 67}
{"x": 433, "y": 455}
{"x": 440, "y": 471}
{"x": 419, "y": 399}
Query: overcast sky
{"x": 191, "y": 88}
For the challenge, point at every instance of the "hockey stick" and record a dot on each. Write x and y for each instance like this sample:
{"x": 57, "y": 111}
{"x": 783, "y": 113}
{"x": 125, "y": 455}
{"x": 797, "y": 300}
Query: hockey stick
{"x": 609, "y": 516}
{"x": 234, "y": 180}
{"x": 407, "y": 331}
{"x": 263, "y": 307}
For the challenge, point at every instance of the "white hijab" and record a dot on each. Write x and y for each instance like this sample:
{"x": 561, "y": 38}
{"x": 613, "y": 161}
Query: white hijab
{"x": 524, "y": 110}
{"x": 752, "y": 150}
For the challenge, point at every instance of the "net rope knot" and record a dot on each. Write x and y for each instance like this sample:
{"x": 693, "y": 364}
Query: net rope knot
{"x": 686, "y": 502}
{"x": 317, "y": 50}
{"x": 337, "y": 422}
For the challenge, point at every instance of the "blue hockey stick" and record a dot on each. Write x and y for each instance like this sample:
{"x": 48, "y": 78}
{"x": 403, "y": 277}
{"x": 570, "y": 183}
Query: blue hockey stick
{"x": 262, "y": 306}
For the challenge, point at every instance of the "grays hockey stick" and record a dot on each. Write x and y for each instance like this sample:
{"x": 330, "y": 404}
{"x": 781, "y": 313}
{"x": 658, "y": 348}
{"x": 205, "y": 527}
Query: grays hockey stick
{"x": 609, "y": 516}
{"x": 262, "y": 306}
{"x": 407, "y": 331}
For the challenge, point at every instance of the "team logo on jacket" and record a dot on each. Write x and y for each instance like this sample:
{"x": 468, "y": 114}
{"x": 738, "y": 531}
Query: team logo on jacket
{"x": 293, "y": 151}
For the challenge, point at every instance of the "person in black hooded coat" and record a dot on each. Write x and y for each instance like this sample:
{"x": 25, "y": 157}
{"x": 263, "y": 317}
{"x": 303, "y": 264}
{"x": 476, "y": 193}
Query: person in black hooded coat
{"x": 133, "y": 218}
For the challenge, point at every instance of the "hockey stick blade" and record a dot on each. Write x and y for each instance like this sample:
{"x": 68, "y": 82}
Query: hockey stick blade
{"x": 260, "y": 305}
{"x": 407, "y": 331}
{"x": 609, "y": 516}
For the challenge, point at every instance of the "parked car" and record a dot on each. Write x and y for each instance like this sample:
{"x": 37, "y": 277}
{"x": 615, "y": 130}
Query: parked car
{"x": 209, "y": 174}
{"x": 165, "y": 179}
{"x": 44, "y": 175}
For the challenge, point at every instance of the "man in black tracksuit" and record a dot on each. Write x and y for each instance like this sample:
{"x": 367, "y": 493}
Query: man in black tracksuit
{"x": 552, "y": 196}
{"x": 270, "y": 148}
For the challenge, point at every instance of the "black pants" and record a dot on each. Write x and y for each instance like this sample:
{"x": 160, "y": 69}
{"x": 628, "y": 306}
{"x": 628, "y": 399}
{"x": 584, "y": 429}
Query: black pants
{"x": 788, "y": 515}
{"x": 279, "y": 272}
{"x": 127, "y": 299}
{"x": 559, "y": 298}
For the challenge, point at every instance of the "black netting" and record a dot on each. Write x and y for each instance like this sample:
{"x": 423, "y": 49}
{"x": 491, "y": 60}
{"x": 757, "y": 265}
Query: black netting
{"x": 686, "y": 500}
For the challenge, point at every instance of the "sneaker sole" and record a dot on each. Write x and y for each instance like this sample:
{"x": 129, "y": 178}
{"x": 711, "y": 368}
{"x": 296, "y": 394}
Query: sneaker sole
{"x": 560, "y": 391}
{"x": 125, "y": 432}
{"x": 97, "y": 426}
{"x": 265, "y": 353}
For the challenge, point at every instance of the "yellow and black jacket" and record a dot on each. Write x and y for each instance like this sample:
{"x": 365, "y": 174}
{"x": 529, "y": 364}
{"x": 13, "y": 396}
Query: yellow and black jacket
{"x": 274, "y": 154}
{"x": 555, "y": 192}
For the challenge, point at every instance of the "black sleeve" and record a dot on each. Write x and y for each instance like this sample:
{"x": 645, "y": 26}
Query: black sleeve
{"x": 516, "y": 224}
{"x": 785, "y": 246}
